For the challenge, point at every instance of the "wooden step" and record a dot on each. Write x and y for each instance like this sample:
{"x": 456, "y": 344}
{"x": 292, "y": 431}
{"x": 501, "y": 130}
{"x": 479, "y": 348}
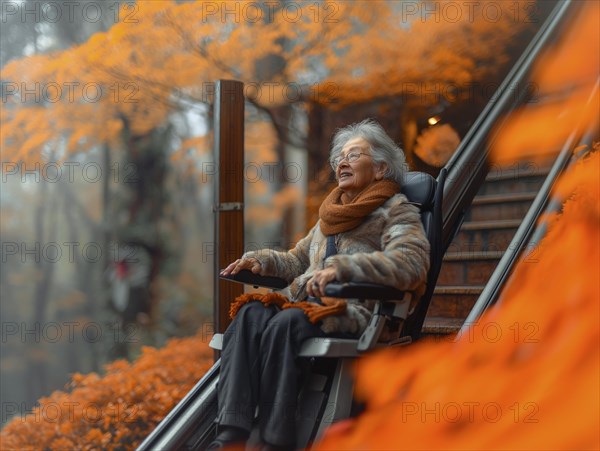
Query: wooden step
{"x": 485, "y": 235}
{"x": 523, "y": 171}
{"x": 454, "y": 301}
{"x": 485, "y": 199}
{"x": 472, "y": 255}
{"x": 504, "y": 183}
{"x": 500, "y": 206}
{"x": 453, "y": 290}
{"x": 440, "y": 326}
{"x": 492, "y": 224}
{"x": 468, "y": 268}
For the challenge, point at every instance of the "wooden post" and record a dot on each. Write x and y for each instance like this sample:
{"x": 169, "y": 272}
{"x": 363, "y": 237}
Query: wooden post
{"x": 229, "y": 192}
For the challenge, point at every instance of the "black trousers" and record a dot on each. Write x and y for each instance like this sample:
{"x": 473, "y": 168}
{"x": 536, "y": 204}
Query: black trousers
{"x": 259, "y": 366}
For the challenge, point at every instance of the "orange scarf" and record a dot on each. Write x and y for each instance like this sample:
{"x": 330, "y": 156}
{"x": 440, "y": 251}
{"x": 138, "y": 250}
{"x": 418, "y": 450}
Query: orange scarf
{"x": 313, "y": 311}
{"x": 337, "y": 217}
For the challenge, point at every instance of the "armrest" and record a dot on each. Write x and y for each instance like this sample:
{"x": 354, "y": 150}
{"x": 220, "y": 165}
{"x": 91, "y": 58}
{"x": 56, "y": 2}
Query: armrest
{"x": 363, "y": 290}
{"x": 247, "y": 277}
{"x": 391, "y": 302}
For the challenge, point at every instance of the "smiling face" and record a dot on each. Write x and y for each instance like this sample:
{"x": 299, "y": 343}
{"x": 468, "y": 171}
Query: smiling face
{"x": 356, "y": 176}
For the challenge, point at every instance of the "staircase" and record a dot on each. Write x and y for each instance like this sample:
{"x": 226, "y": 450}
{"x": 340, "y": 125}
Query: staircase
{"x": 487, "y": 230}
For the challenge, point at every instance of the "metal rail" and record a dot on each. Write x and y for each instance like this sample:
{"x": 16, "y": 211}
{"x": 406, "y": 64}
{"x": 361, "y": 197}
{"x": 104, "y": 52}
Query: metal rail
{"x": 468, "y": 166}
{"x": 529, "y": 234}
{"x": 195, "y": 411}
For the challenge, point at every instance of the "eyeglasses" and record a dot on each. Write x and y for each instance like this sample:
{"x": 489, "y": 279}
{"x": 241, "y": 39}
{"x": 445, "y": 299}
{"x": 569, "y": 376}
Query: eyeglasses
{"x": 350, "y": 158}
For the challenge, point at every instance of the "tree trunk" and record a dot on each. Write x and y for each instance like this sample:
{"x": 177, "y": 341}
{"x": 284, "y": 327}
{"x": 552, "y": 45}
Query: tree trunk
{"x": 44, "y": 273}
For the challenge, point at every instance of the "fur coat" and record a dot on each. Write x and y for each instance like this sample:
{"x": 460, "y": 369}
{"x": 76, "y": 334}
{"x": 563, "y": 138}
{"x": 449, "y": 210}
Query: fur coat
{"x": 389, "y": 248}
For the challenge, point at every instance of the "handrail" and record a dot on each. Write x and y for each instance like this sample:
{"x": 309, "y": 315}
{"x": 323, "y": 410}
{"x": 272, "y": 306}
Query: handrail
{"x": 170, "y": 433}
{"x": 555, "y": 204}
{"x": 541, "y": 204}
{"x": 467, "y": 167}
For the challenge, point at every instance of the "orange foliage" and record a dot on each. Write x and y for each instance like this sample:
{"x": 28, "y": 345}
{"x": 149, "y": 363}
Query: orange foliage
{"x": 426, "y": 51}
{"x": 526, "y": 376}
{"x": 435, "y": 145}
{"x": 172, "y": 52}
{"x": 144, "y": 69}
{"x": 565, "y": 82}
{"x": 117, "y": 410}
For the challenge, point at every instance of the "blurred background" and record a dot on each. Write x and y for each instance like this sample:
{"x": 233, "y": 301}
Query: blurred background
{"x": 106, "y": 148}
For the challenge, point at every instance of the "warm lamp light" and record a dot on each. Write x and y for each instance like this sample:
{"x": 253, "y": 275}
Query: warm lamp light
{"x": 433, "y": 120}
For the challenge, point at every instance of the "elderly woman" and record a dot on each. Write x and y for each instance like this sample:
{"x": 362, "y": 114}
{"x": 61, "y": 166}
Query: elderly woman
{"x": 367, "y": 231}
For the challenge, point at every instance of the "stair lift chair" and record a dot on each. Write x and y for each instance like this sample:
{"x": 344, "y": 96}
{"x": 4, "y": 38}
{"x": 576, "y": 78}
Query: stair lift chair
{"x": 326, "y": 395}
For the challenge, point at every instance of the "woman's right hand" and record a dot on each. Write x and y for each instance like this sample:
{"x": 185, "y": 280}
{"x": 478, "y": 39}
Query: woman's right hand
{"x": 242, "y": 263}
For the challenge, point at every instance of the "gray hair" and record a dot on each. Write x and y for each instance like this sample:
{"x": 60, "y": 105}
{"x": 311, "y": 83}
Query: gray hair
{"x": 383, "y": 148}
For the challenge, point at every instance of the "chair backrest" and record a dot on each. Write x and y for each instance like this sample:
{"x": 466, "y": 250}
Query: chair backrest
{"x": 427, "y": 192}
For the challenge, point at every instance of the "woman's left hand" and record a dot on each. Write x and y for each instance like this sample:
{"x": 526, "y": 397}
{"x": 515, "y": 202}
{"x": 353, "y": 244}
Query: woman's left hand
{"x": 316, "y": 285}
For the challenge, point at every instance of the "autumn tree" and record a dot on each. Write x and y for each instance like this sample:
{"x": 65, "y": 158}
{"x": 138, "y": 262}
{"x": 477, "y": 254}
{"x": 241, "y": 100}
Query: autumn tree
{"x": 33, "y": 36}
{"x": 293, "y": 57}
{"x": 132, "y": 97}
